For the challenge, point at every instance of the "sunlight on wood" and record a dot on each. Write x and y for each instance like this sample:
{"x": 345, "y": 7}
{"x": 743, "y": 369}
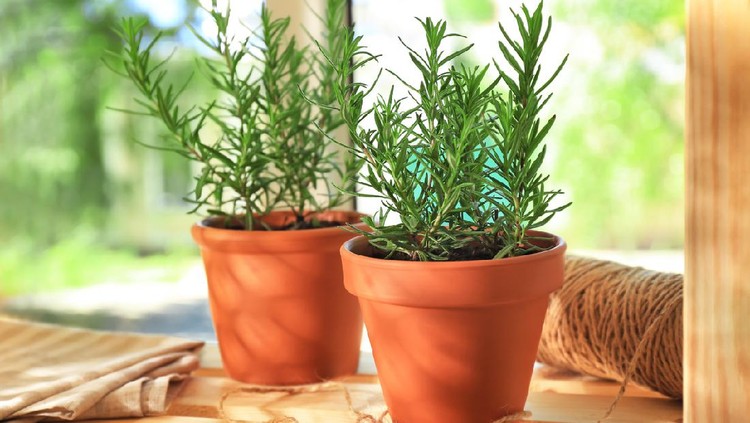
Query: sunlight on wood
{"x": 717, "y": 290}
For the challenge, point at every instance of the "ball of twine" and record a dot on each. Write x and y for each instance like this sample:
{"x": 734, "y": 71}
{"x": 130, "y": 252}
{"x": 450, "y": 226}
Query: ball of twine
{"x": 617, "y": 322}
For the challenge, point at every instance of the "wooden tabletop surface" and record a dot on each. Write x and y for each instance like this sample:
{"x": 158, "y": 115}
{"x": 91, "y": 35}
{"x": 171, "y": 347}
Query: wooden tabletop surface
{"x": 554, "y": 397}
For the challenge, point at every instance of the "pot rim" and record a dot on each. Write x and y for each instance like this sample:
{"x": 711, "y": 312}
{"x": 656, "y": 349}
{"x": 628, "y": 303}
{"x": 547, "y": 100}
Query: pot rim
{"x": 559, "y": 248}
{"x": 453, "y": 284}
{"x": 234, "y": 240}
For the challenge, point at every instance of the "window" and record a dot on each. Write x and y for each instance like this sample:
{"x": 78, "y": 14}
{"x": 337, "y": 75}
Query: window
{"x": 81, "y": 204}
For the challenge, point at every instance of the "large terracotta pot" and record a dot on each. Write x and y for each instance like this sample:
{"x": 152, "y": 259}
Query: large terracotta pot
{"x": 279, "y": 307}
{"x": 453, "y": 341}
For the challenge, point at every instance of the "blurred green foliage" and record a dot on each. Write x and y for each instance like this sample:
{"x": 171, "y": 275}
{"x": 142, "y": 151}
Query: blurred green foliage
{"x": 64, "y": 206}
{"x": 73, "y": 184}
{"x": 51, "y": 171}
{"x": 78, "y": 261}
{"x": 617, "y": 147}
{"x": 621, "y": 127}
{"x": 471, "y": 11}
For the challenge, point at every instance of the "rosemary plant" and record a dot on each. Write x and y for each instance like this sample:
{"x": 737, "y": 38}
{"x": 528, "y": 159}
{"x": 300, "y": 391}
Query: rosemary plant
{"x": 458, "y": 159}
{"x": 275, "y": 148}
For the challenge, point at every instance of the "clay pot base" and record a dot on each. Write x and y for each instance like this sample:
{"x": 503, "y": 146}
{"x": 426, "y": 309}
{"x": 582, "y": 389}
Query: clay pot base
{"x": 281, "y": 313}
{"x": 453, "y": 341}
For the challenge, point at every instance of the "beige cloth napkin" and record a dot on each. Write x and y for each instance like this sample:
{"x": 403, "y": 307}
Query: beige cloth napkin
{"x": 56, "y": 373}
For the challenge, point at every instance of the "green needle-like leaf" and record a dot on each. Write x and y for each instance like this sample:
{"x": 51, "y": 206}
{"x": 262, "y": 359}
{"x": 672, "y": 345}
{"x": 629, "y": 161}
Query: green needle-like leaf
{"x": 459, "y": 159}
{"x": 274, "y": 149}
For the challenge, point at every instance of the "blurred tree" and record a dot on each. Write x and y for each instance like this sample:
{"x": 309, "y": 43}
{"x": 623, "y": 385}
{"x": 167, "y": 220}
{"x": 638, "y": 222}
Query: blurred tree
{"x": 471, "y": 11}
{"x": 621, "y": 148}
{"x": 51, "y": 171}
{"x": 53, "y": 95}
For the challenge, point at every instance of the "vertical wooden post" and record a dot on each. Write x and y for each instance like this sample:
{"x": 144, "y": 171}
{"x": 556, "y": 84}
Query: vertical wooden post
{"x": 303, "y": 23}
{"x": 302, "y": 16}
{"x": 717, "y": 286}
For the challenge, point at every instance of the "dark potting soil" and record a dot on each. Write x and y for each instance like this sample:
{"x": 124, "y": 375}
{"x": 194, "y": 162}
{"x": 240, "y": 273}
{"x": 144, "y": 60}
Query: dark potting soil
{"x": 464, "y": 254}
{"x": 294, "y": 226}
{"x": 467, "y": 253}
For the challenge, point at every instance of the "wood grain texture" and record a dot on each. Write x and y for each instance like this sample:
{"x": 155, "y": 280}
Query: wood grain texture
{"x": 717, "y": 286}
{"x": 555, "y": 396}
{"x": 161, "y": 419}
{"x": 579, "y": 400}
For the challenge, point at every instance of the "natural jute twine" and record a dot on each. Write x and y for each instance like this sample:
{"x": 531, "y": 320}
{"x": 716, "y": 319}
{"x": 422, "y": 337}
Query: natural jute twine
{"x": 617, "y": 322}
{"x": 296, "y": 390}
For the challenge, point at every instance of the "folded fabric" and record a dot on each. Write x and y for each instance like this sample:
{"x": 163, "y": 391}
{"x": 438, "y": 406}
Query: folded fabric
{"x": 52, "y": 373}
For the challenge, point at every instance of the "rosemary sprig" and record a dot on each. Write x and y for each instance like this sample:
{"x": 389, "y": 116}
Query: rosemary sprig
{"x": 275, "y": 149}
{"x": 458, "y": 159}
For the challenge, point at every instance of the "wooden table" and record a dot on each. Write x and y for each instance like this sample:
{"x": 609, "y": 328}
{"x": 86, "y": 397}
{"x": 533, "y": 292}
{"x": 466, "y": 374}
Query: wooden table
{"x": 555, "y": 397}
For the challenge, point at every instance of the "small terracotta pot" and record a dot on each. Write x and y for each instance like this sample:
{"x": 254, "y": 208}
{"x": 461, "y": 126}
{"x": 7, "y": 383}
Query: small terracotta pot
{"x": 280, "y": 310}
{"x": 453, "y": 341}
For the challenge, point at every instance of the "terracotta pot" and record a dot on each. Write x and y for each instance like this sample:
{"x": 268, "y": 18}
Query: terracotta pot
{"x": 280, "y": 310}
{"x": 453, "y": 341}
